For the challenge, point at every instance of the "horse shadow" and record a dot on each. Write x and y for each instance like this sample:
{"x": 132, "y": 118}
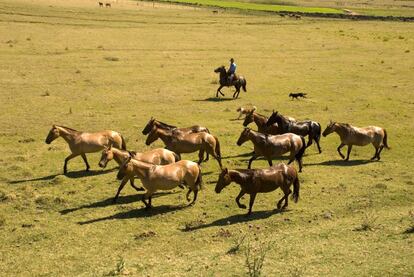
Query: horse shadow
{"x": 72, "y": 175}
{"x": 109, "y": 201}
{"x": 216, "y": 99}
{"x": 341, "y": 163}
{"x": 234, "y": 219}
{"x": 238, "y": 156}
{"x": 137, "y": 213}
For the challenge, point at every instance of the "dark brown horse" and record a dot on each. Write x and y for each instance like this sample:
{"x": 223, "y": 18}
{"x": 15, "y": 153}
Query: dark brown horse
{"x": 303, "y": 128}
{"x": 261, "y": 121}
{"x": 239, "y": 82}
{"x": 253, "y": 181}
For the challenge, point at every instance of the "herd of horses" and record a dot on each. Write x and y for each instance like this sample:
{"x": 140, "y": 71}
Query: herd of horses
{"x": 163, "y": 168}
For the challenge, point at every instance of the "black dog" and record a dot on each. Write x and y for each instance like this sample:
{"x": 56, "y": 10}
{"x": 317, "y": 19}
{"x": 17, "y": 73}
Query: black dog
{"x": 297, "y": 95}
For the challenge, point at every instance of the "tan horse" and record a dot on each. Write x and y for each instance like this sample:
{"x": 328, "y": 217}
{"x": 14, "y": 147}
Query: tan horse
{"x": 271, "y": 147}
{"x": 351, "y": 135}
{"x": 261, "y": 121}
{"x": 189, "y": 143}
{"x": 159, "y": 156}
{"x": 253, "y": 181}
{"x": 82, "y": 142}
{"x": 162, "y": 177}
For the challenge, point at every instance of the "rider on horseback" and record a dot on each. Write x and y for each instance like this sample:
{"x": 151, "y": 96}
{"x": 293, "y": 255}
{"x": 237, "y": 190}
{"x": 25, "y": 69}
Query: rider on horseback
{"x": 231, "y": 73}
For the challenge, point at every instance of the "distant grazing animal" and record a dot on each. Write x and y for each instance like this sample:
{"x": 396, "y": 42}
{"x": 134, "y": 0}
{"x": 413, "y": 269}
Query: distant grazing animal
{"x": 81, "y": 143}
{"x": 244, "y": 111}
{"x": 162, "y": 177}
{"x": 108, "y": 5}
{"x": 100, "y": 4}
{"x": 261, "y": 121}
{"x": 351, "y": 135}
{"x": 297, "y": 95}
{"x": 159, "y": 156}
{"x": 303, "y": 128}
{"x": 253, "y": 181}
{"x": 215, "y": 11}
{"x": 270, "y": 147}
{"x": 238, "y": 82}
{"x": 189, "y": 143}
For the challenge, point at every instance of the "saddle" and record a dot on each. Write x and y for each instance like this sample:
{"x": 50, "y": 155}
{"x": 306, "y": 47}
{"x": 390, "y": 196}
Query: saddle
{"x": 235, "y": 79}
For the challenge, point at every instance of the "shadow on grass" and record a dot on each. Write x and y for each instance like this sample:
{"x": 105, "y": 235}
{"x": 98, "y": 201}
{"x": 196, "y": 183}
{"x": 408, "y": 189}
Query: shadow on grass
{"x": 137, "y": 213}
{"x": 234, "y": 219}
{"x": 340, "y": 163}
{"x": 215, "y": 99}
{"x": 238, "y": 156}
{"x": 109, "y": 201}
{"x": 72, "y": 174}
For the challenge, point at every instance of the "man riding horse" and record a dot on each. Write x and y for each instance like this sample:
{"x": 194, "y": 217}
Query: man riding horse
{"x": 231, "y": 73}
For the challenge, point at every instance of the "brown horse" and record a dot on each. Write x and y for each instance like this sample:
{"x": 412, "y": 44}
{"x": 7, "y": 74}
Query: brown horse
{"x": 162, "y": 177}
{"x": 189, "y": 143}
{"x": 81, "y": 143}
{"x": 239, "y": 82}
{"x": 253, "y": 181}
{"x": 178, "y": 131}
{"x": 351, "y": 135}
{"x": 182, "y": 131}
{"x": 261, "y": 121}
{"x": 303, "y": 128}
{"x": 271, "y": 147}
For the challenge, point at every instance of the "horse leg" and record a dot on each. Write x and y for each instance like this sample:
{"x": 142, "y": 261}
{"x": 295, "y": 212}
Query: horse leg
{"x": 131, "y": 181}
{"x": 379, "y": 152}
{"x": 219, "y": 90}
{"x": 215, "y": 156}
{"x": 270, "y": 162}
{"x": 349, "y": 152}
{"x": 286, "y": 197}
{"x": 252, "y": 197}
{"x": 86, "y": 161}
{"x": 147, "y": 205}
{"x": 241, "y": 193}
{"x": 187, "y": 196}
{"x": 317, "y": 144}
{"x": 339, "y": 150}
{"x": 124, "y": 181}
{"x": 195, "y": 197}
{"x": 200, "y": 156}
{"x": 68, "y": 158}
{"x": 309, "y": 141}
{"x": 251, "y": 160}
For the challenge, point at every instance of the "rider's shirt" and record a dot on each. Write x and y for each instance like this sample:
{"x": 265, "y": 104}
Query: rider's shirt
{"x": 232, "y": 68}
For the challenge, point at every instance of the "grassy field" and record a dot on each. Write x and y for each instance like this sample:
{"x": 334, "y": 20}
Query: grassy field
{"x": 374, "y": 7}
{"x": 73, "y": 63}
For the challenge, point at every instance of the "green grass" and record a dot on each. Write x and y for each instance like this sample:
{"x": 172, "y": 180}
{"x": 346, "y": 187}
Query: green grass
{"x": 72, "y": 63}
{"x": 256, "y": 6}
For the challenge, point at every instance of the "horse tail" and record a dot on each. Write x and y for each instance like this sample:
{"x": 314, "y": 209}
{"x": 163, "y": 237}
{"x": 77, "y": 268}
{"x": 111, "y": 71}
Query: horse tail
{"x": 244, "y": 85}
{"x": 123, "y": 146}
{"x": 176, "y": 157}
{"x": 384, "y": 140}
{"x": 299, "y": 155}
{"x": 296, "y": 188}
{"x": 199, "y": 181}
{"x": 217, "y": 150}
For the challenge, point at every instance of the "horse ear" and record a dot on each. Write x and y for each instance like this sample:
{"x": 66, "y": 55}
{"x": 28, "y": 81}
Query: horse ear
{"x": 130, "y": 154}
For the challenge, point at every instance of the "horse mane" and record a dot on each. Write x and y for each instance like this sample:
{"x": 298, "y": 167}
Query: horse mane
{"x": 167, "y": 125}
{"x": 254, "y": 112}
{"x": 70, "y": 129}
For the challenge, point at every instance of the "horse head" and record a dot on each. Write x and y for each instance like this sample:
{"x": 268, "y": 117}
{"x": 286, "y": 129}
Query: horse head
{"x": 53, "y": 134}
{"x": 152, "y": 136}
{"x": 249, "y": 118}
{"x": 244, "y": 136}
{"x": 273, "y": 118}
{"x": 329, "y": 129}
{"x": 149, "y": 126}
{"x": 223, "y": 180}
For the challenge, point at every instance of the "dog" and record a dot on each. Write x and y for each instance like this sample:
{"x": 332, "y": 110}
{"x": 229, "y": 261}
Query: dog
{"x": 244, "y": 111}
{"x": 297, "y": 95}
